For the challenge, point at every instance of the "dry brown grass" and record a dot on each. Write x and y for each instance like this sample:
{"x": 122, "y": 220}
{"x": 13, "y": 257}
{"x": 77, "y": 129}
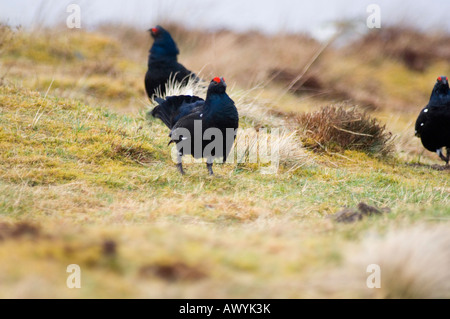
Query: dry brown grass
{"x": 337, "y": 128}
{"x": 415, "y": 49}
{"x": 97, "y": 188}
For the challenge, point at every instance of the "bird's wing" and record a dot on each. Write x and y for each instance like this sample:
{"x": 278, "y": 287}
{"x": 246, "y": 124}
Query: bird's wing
{"x": 186, "y": 123}
{"x": 173, "y": 108}
{"x": 435, "y": 117}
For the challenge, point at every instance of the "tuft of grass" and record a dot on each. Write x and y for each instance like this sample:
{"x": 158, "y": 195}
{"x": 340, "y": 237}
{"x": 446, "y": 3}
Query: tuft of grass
{"x": 190, "y": 87}
{"x": 274, "y": 146}
{"x": 337, "y": 128}
{"x": 413, "y": 262}
{"x": 137, "y": 153}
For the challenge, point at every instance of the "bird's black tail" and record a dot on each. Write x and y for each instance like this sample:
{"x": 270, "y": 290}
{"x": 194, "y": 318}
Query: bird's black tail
{"x": 173, "y": 107}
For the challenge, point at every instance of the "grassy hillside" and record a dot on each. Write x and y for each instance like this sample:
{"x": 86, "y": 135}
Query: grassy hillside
{"x": 87, "y": 179}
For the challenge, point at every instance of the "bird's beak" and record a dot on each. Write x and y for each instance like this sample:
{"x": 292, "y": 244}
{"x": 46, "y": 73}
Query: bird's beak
{"x": 416, "y": 134}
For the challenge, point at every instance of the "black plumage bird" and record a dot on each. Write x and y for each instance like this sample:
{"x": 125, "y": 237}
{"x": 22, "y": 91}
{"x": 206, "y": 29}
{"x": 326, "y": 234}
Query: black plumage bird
{"x": 201, "y": 128}
{"x": 163, "y": 64}
{"x": 433, "y": 123}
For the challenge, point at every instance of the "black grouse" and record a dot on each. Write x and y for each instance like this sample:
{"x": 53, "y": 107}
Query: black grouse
{"x": 433, "y": 123}
{"x": 163, "y": 64}
{"x": 202, "y": 128}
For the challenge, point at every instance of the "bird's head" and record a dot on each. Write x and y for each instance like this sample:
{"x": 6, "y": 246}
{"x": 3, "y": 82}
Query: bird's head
{"x": 155, "y": 32}
{"x": 441, "y": 85}
{"x": 442, "y": 80}
{"x": 217, "y": 85}
{"x": 163, "y": 43}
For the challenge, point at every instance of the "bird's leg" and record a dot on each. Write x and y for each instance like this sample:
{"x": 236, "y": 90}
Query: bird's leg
{"x": 441, "y": 155}
{"x": 209, "y": 164}
{"x": 180, "y": 164}
{"x": 448, "y": 156}
{"x": 180, "y": 168}
{"x": 209, "y": 167}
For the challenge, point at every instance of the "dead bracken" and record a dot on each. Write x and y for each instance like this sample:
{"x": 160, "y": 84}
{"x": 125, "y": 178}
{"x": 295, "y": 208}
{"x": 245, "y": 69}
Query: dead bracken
{"x": 350, "y": 215}
{"x": 18, "y": 230}
{"x": 172, "y": 271}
